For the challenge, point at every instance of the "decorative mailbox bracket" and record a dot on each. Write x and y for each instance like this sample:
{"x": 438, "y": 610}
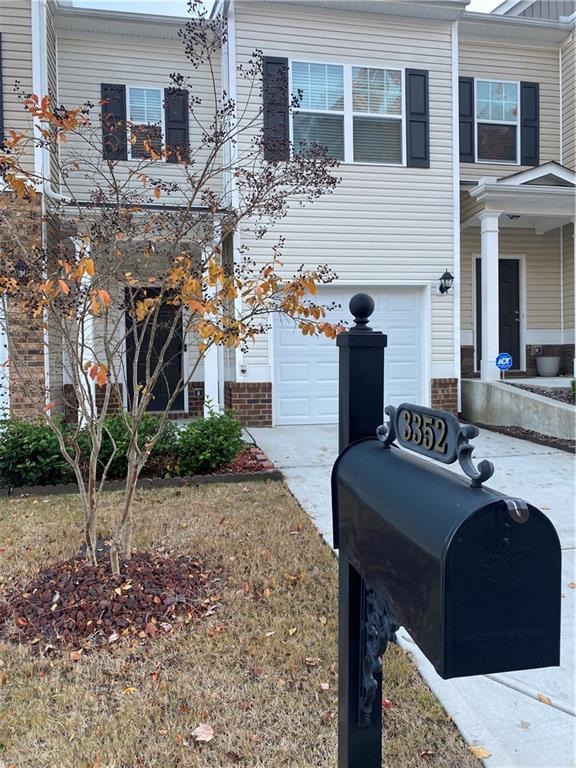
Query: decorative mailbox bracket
{"x": 436, "y": 434}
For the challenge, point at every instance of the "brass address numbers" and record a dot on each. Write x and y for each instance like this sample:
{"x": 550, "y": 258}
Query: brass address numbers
{"x": 424, "y": 430}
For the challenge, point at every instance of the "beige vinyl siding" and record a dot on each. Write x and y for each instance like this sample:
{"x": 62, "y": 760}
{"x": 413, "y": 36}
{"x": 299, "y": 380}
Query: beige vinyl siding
{"x": 383, "y": 224}
{"x": 469, "y": 206}
{"x": 569, "y": 101}
{"x": 542, "y": 290}
{"x": 485, "y": 59}
{"x": 568, "y": 282}
{"x": 16, "y": 30}
{"x": 88, "y": 59}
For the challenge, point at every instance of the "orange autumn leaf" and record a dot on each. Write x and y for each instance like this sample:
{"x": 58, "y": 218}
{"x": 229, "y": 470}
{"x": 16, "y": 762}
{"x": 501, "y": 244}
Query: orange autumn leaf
{"x": 157, "y": 192}
{"x": 48, "y": 407}
{"x": 89, "y": 266}
{"x": 64, "y": 287}
{"x": 104, "y": 297}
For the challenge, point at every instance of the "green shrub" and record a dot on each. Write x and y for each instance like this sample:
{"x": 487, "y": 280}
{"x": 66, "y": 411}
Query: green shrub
{"x": 162, "y": 454}
{"x": 30, "y": 455}
{"x": 209, "y": 443}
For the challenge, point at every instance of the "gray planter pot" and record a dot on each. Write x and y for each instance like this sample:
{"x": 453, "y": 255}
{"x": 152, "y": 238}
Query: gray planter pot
{"x": 548, "y": 366}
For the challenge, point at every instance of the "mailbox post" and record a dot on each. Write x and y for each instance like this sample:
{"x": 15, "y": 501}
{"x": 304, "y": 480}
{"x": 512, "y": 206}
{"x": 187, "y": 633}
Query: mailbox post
{"x": 361, "y": 411}
{"x": 473, "y": 574}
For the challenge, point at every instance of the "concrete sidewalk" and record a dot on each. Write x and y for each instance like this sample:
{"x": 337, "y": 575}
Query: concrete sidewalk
{"x": 499, "y": 712}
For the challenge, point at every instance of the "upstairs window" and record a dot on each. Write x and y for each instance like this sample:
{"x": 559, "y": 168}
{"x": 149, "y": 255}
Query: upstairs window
{"x": 145, "y": 114}
{"x": 497, "y": 121}
{"x": 320, "y": 116}
{"x": 356, "y": 113}
{"x": 377, "y": 115}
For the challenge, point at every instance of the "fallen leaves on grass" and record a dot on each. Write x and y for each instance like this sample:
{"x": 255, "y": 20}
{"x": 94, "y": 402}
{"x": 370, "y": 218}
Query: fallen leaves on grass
{"x": 479, "y": 752}
{"x": 203, "y": 732}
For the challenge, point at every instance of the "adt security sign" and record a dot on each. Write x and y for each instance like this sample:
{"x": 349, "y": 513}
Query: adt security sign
{"x": 504, "y": 361}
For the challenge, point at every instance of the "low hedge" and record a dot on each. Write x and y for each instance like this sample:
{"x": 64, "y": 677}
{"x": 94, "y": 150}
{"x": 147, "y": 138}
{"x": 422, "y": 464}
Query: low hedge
{"x": 30, "y": 455}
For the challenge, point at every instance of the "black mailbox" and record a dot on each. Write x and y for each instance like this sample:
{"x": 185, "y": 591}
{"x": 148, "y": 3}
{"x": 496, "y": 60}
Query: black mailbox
{"x": 472, "y": 574}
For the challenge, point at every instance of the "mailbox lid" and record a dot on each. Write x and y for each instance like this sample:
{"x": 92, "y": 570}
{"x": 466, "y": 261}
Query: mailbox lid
{"x": 423, "y": 500}
{"x": 502, "y": 594}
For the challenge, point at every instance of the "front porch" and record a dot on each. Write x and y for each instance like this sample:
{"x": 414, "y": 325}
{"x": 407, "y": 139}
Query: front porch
{"x": 517, "y": 272}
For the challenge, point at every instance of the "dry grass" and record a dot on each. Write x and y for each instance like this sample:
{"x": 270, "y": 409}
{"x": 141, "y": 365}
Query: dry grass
{"x": 246, "y": 672}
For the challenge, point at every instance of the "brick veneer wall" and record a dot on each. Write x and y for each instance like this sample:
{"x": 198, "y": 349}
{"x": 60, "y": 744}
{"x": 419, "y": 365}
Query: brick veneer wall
{"x": 195, "y": 404}
{"x": 26, "y": 336}
{"x": 26, "y": 367}
{"x": 251, "y": 401}
{"x": 445, "y": 394}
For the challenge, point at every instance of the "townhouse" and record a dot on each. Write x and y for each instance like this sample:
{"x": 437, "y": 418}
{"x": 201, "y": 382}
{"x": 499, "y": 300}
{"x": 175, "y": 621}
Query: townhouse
{"x": 456, "y": 137}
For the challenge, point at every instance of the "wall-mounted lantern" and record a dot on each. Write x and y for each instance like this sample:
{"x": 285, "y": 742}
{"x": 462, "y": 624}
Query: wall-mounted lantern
{"x": 21, "y": 269}
{"x": 446, "y": 282}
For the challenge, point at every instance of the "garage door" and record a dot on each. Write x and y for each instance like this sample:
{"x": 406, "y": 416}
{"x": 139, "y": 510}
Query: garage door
{"x": 306, "y": 369}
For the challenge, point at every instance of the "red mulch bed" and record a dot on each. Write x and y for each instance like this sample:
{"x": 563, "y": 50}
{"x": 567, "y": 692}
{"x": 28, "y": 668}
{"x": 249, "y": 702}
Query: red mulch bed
{"x": 77, "y": 605}
{"x": 252, "y": 459}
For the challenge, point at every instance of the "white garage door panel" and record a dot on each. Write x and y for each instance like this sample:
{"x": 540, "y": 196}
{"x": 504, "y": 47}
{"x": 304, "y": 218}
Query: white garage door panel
{"x": 306, "y": 368}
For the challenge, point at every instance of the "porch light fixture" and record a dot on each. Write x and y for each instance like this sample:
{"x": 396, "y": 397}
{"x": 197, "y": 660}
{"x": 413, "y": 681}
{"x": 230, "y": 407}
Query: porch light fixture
{"x": 21, "y": 269}
{"x": 446, "y": 282}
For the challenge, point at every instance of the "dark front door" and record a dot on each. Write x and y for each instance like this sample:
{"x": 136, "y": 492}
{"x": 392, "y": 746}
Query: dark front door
{"x": 509, "y": 306}
{"x": 171, "y": 370}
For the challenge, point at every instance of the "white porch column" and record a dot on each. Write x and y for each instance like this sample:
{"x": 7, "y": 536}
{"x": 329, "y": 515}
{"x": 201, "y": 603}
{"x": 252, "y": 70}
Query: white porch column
{"x": 490, "y": 311}
{"x": 211, "y": 379}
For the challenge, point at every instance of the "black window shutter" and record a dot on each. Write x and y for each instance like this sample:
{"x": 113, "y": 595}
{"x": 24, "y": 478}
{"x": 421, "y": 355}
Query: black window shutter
{"x": 176, "y": 118}
{"x": 276, "y": 109}
{"x": 114, "y": 134}
{"x": 529, "y": 123}
{"x": 1, "y": 97}
{"x": 466, "y": 112}
{"x": 417, "y": 119}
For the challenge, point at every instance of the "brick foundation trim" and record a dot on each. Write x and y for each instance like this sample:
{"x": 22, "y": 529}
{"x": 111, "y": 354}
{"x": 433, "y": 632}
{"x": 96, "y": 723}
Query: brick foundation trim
{"x": 251, "y": 402}
{"x": 564, "y": 351}
{"x": 195, "y": 399}
{"x": 445, "y": 394}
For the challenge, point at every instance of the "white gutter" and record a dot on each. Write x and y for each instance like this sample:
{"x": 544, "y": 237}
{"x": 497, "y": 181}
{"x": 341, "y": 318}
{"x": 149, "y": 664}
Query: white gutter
{"x": 456, "y": 295}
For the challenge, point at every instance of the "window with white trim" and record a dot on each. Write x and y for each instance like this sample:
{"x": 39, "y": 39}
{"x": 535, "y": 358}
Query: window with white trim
{"x": 320, "y": 116}
{"x": 497, "y": 121}
{"x": 377, "y": 115}
{"x": 356, "y": 113}
{"x": 145, "y": 115}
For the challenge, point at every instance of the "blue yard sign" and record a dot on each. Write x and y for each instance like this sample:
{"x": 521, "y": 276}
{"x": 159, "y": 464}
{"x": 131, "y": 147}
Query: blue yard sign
{"x": 504, "y": 361}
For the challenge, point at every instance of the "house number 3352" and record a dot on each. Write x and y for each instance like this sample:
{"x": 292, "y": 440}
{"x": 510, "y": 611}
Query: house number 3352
{"x": 424, "y": 431}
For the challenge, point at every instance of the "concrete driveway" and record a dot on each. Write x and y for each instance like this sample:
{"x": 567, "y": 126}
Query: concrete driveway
{"x": 500, "y": 712}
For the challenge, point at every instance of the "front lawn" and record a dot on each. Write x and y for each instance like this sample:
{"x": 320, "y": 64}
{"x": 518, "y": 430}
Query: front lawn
{"x": 260, "y": 669}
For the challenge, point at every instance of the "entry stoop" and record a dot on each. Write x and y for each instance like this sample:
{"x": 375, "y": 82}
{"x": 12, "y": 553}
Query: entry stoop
{"x": 492, "y": 402}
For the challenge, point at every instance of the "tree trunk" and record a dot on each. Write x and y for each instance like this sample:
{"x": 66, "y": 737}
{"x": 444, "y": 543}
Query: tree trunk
{"x": 124, "y": 531}
{"x": 90, "y": 533}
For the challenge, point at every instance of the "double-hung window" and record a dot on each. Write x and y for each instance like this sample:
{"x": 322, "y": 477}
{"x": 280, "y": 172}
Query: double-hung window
{"x": 320, "y": 116}
{"x": 377, "y": 115}
{"x": 497, "y": 112}
{"x": 356, "y": 113}
{"x": 145, "y": 114}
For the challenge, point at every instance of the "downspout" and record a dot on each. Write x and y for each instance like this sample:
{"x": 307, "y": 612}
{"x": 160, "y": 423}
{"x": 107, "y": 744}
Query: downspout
{"x": 561, "y": 93}
{"x": 562, "y": 330}
{"x": 456, "y": 213}
{"x": 40, "y": 87}
{"x": 232, "y": 87}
